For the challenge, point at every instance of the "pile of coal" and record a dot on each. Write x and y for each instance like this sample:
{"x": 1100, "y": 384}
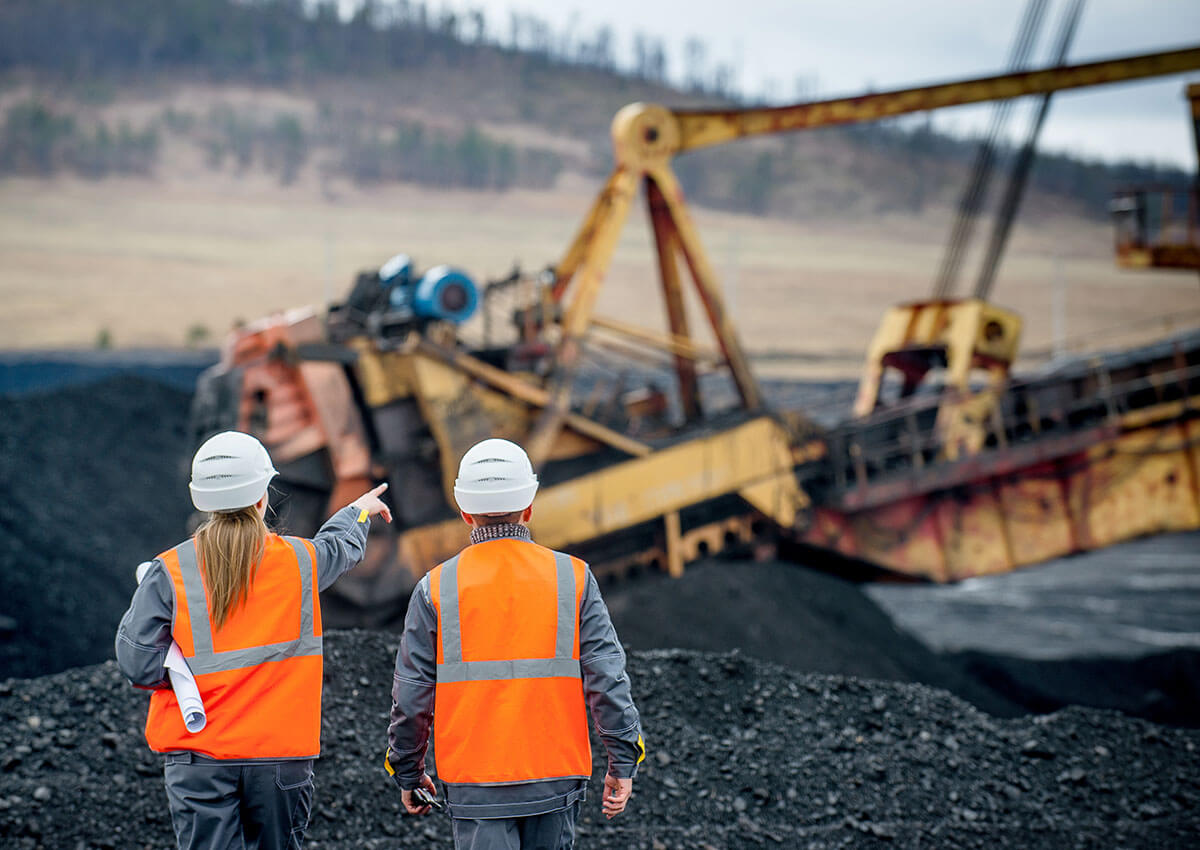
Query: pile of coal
{"x": 741, "y": 754}
{"x": 816, "y": 622}
{"x": 93, "y": 481}
{"x": 791, "y": 615}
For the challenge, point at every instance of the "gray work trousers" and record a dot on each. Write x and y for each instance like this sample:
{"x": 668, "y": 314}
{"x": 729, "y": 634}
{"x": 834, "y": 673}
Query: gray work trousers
{"x": 552, "y": 831}
{"x": 218, "y": 805}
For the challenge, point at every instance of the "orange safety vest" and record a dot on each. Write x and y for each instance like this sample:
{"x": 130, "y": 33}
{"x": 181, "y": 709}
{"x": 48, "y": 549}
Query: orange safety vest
{"x": 509, "y": 698}
{"x": 260, "y": 674}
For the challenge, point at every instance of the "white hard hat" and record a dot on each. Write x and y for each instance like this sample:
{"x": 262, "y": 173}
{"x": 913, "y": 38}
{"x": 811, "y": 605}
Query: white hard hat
{"x": 495, "y": 477}
{"x": 230, "y": 471}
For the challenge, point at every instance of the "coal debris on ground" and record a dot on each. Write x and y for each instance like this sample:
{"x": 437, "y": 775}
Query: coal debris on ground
{"x": 741, "y": 754}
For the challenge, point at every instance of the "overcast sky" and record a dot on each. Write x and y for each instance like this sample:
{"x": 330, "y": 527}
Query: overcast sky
{"x": 848, "y": 46}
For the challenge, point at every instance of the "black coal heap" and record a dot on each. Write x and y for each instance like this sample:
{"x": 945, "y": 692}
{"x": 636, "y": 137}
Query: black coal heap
{"x": 742, "y": 753}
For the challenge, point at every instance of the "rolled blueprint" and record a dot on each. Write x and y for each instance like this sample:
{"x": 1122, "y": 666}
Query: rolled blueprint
{"x": 182, "y": 680}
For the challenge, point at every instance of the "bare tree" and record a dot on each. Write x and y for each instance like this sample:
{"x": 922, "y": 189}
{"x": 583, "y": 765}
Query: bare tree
{"x": 695, "y": 57}
{"x": 478, "y": 26}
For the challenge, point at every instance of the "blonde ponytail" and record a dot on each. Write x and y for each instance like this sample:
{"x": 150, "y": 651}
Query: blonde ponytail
{"x": 231, "y": 546}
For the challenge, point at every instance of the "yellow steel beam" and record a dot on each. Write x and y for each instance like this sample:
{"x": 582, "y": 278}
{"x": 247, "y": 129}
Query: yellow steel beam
{"x": 676, "y": 344}
{"x": 642, "y": 489}
{"x": 674, "y": 544}
{"x": 592, "y": 253}
{"x": 753, "y": 459}
{"x": 611, "y": 201}
{"x": 697, "y": 129}
{"x": 666, "y": 243}
{"x": 706, "y": 282}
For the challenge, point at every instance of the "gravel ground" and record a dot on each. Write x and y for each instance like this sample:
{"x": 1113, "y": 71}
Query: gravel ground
{"x": 742, "y": 753}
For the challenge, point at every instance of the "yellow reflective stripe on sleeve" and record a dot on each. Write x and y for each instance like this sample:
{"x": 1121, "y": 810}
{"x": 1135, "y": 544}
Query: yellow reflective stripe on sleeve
{"x": 387, "y": 763}
{"x": 363, "y": 514}
{"x": 641, "y": 749}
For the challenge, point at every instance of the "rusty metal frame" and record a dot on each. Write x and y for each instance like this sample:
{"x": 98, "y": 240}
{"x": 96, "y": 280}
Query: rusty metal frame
{"x": 666, "y": 240}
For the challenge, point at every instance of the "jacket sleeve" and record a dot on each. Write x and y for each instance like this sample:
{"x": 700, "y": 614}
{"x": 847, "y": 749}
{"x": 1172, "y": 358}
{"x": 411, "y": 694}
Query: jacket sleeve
{"x": 413, "y": 690}
{"x": 145, "y": 631}
{"x": 340, "y": 545}
{"x": 606, "y": 685}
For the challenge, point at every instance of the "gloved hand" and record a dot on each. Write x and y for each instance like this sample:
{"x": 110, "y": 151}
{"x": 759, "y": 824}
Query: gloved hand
{"x": 410, "y": 803}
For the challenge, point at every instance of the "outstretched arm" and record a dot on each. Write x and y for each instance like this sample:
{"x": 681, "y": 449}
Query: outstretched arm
{"x": 342, "y": 540}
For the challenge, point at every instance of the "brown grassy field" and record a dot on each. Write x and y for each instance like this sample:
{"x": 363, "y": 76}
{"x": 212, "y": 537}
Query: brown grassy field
{"x": 146, "y": 261}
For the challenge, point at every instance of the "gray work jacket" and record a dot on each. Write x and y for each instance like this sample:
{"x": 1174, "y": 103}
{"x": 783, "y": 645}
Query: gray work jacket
{"x": 145, "y": 631}
{"x": 606, "y": 690}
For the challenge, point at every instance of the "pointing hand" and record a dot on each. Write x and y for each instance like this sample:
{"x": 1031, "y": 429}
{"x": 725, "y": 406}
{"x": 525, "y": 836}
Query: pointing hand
{"x": 372, "y": 504}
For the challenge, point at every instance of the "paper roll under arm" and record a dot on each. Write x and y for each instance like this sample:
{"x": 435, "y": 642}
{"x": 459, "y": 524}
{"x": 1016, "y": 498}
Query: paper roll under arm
{"x": 186, "y": 692}
{"x": 182, "y": 680}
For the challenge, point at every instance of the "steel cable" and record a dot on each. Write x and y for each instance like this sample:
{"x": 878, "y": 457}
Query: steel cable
{"x": 1019, "y": 176}
{"x": 972, "y": 200}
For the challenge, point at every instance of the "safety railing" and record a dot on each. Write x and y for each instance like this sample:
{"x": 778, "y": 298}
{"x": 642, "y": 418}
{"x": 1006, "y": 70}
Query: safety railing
{"x": 904, "y": 440}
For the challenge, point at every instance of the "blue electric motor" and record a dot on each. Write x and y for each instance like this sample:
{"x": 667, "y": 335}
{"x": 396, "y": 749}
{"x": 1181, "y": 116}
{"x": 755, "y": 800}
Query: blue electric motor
{"x": 443, "y": 292}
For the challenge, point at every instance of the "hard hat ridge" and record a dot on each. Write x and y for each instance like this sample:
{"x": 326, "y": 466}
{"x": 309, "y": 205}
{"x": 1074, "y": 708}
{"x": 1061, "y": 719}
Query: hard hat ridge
{"x": 495, "y": 477}
{"x": 230, "y": 471}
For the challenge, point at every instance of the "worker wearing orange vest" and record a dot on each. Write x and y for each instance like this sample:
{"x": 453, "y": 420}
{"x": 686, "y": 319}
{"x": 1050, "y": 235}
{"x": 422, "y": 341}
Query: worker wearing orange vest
{"x": 505, "y": 646}
{"x": 242, "y": 606}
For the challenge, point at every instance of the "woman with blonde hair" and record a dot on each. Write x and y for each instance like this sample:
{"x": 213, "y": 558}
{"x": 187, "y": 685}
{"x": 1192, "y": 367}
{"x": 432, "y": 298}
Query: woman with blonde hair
{"x": 241, "y": 603}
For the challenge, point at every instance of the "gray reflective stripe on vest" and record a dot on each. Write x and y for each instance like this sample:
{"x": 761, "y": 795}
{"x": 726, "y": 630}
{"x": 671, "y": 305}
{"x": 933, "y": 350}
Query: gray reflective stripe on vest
{"x": 448, "y": 605}
{"x": 521, "y": 668}
{"x": 205, "y": 660}
{"x": 564, "y": 642}
{"x": 306, "y": 587}
{"x": 454, "y": 669}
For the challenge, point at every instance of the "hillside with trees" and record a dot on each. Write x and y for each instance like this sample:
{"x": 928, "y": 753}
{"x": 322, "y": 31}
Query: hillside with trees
{"x": 399, "y": 92}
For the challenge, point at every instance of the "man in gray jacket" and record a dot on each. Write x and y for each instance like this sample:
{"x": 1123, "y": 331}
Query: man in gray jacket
{"x": 509, "y": 640}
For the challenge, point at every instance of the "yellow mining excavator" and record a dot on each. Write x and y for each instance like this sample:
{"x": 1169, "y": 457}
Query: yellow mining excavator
{"x": 983, "y": 475}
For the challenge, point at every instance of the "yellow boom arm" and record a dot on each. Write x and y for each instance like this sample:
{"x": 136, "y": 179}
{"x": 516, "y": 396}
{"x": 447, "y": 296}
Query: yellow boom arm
{"x": 703, "y": 128}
